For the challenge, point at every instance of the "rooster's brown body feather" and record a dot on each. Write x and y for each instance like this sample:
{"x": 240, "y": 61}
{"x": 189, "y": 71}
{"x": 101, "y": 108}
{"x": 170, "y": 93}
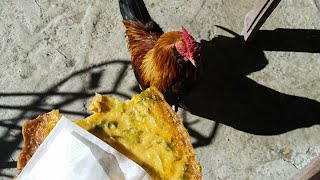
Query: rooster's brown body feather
{"x": 153, "y": 58}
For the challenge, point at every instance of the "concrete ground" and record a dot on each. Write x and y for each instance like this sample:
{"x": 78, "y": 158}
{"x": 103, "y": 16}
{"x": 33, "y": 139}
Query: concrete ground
{"x": 260, "y": 120}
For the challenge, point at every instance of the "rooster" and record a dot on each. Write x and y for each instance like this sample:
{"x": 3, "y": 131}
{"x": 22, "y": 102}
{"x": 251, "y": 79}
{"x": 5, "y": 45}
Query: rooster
{"x": 169, "y": 61}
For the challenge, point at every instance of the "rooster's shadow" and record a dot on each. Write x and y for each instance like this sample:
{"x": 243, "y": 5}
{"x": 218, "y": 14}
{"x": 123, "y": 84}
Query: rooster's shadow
{"x": 226, "y": 95}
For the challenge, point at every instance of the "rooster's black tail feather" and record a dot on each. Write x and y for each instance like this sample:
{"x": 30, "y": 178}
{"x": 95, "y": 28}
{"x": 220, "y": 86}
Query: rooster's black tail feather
{"x": 135, "y": 10}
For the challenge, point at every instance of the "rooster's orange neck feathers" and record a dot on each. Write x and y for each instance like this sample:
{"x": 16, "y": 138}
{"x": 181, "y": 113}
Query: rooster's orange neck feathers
{"x": 159, "y": 67}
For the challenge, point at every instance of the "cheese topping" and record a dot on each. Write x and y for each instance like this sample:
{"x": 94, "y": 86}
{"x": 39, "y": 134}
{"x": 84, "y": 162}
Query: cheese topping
{"x": 140, "y": 130}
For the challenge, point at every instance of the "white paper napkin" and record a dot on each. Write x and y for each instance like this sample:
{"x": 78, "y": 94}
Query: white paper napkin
{"x": 69, "y": 152}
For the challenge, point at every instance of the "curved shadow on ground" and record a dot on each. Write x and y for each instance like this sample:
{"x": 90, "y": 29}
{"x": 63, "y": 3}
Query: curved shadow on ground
{"x": 227, "y": 96}
{"x": 11, "y": 137}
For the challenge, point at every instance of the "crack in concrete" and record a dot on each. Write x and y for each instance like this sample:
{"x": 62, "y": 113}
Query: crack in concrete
{"x": 41, "y": 12}
{"x": 308, "y": 150}
{"x": 291, "y": 163}
{"x": 65, "y": 57}
{"x": 317, "y": 4}
{"x": 6, "y": 35}
{"x": 194, "y": 17}
{"x": 51, "y": 23}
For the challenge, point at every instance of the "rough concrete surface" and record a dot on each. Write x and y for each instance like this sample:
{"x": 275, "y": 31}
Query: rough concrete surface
{"x": 56, "y": 54}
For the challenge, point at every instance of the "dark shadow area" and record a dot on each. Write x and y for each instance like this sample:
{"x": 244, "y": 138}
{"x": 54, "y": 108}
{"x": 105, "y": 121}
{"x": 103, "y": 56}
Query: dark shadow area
{"x": 227, "y": 96}
{"x": 293, "y": 40}
{"x": 136, "y": 89}
{"x": 11, "y": 137}
{"x": 95, "y": 79}
{"x": 199, "y": 139}
{"x": 11, "y": 164}
{"x": 316, "y": 176}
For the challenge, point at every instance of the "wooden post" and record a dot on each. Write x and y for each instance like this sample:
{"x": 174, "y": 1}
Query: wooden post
{"x": 257, "y": 16}
{"x": 310, "y": 172}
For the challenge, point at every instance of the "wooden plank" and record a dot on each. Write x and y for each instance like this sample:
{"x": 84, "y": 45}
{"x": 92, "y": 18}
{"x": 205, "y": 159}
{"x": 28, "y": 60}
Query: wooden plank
{"x": 311, "y": 172}
{"x": 257, "y": 16}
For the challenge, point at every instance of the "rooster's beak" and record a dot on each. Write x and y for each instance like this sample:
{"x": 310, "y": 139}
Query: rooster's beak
{"x": 193, "y": 62}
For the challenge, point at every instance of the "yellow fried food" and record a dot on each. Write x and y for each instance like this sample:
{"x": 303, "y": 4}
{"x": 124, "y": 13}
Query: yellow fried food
{"x": 146, "y": 130}
{"x": 34, "y": 133}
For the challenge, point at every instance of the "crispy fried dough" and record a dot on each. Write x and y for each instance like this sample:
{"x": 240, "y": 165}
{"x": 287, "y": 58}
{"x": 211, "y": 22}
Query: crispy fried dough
{"x": 34, "y": 133}
{"x": 145, "y": 129}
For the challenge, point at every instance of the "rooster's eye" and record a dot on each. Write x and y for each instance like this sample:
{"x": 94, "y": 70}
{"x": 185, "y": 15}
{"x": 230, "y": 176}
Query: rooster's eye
{"x": 178, "y": 56}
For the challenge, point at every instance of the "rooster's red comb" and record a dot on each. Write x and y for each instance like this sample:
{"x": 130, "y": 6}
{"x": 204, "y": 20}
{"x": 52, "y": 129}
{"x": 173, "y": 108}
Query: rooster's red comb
{"x": 192, "y": 45}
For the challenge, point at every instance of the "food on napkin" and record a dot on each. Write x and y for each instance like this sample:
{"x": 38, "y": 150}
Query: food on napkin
{"x": 70, "y": 152}
{"x": 145, "y": 129}
{"x": 34, "y": 133}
